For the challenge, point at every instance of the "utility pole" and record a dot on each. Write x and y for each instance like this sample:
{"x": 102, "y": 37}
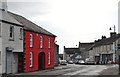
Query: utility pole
{"x": 114, "y": 44}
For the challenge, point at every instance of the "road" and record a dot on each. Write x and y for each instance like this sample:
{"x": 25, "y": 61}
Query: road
{"x": 71, "y": 70}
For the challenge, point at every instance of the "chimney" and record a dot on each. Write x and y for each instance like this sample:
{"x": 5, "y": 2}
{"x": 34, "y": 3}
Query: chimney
{"x": 97, "y": 40}
{"x": 103, "y": 37}
{"x": 3, "y": 5}
{"x": 112, "y": 34}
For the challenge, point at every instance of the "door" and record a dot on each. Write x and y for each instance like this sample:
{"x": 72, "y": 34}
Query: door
{"x": 9, "y": 56}
{"x": 20, "y": 62}
{"x": 97, "y": 59}
{"x": 41, "y": 61}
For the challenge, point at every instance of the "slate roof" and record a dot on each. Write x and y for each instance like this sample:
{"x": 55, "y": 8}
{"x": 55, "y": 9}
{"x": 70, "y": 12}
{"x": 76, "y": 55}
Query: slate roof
{"x": 5, "y": 17}
{"x": 71, "y": 50}
{"x": 85, "y": 46}
{"x": 30, "y": 26}
{"x": 107, "y": 41}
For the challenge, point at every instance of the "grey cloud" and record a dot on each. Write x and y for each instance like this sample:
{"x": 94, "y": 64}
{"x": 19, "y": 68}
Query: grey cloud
{"x": 29, "y": 8}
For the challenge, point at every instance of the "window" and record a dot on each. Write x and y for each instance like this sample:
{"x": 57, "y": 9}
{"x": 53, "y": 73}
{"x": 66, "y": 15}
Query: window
{"x": 21, "y": 33}
{"x": 31, "y": 59}
{"x": 0, "y": 57}
{"x": 48, "y": 57}
{"x": 118, "y": 46}
{"x": 0, "y": 30}
{"x": 31, "y": 40}
{"x": 41, "y": 41}
{"x": 48, "y": 42}
{"x": 11, "y": 32}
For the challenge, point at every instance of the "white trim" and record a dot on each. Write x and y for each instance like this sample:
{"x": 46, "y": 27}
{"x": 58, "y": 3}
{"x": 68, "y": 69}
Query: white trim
{"x": 31, "y": 59}
{"x": 17, "y": 50}
{"x": 48, "y": 42}
{"x": 49, "y": 58}
{"x": 0, "y": 29}
{"x": 0, "y": 58}
{"x": 41, "y": 42}
{"x": 31, "y": 40}
{"x": 21, "y": 33}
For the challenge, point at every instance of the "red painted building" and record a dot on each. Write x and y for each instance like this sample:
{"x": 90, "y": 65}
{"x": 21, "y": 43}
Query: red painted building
{"x": 38, "y": 47}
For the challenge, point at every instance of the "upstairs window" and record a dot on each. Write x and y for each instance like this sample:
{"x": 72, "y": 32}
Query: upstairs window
{"x": 41, "y": 41}
{"x": 31, "y": 59}
{"x": 48, "y": 42}
{"x": 11, "y": 32}
{"x": 0, "y": 30}
{"x": 31, "y": 40}
{"x": 0, "y": 57}
{"x": 21, "y": 33}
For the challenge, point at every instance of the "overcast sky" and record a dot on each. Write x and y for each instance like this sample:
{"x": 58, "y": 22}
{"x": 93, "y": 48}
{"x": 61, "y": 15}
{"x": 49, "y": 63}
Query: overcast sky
{"x": 70, "y": 20}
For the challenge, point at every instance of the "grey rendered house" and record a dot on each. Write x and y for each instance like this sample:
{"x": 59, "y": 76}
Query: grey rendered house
{"x": 71, "y": 53}
{"x": 56, "y": 55}
{"x": 11, "y": 41}
{"x": 84, "y": 48}
{"x": 82, "y": 52}
{"x": 105, "y": 49}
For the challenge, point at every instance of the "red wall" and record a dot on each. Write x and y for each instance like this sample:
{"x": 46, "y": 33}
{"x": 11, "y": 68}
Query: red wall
{"x": 36, "y": 50}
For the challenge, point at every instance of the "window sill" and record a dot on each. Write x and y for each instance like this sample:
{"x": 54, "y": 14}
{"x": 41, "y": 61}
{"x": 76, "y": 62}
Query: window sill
{"x": 31, "y": 66}
{"x": 41, "y": 48}
{"x": 31, "y": 47}
{"x": 11, "y": 39}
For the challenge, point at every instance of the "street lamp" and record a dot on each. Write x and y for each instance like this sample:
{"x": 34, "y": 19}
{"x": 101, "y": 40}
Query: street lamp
{"x": 114, "y": 53}
{"x": 112, "y": 27}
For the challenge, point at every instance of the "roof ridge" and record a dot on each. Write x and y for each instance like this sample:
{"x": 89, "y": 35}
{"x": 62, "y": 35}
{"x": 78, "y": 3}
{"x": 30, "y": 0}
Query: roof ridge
{"x": 44, "y": 31}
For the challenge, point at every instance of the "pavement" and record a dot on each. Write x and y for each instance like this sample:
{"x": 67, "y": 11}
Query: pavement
{"x": 108, "y": 70}
{"x": 113, "y": 70}
{"x": 60, "y": 67}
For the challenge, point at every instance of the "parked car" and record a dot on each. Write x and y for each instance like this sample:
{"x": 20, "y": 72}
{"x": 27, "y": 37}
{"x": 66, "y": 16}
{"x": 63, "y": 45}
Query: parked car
{"x": 70, "y": 62}
{"x": 89, "y": 61}
{"x": 63, "y": 62}
{"x": 79, "y": 62}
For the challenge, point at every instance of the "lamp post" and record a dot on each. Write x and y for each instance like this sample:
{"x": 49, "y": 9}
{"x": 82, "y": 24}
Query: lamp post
{"x": 114, "y": 44}
{"x": 112, "y": 27}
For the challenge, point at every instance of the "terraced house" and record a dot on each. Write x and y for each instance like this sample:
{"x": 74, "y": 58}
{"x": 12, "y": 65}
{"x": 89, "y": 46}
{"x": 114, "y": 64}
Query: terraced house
{"x": 25, "y": 46}
{"x": 11, "y": 41}
{"x": 105, "y": 50}
{"x": 38, "y": 46}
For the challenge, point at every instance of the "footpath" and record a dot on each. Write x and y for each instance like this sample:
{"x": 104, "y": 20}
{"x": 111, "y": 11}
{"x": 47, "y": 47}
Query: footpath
{"x": 113, "y": 70}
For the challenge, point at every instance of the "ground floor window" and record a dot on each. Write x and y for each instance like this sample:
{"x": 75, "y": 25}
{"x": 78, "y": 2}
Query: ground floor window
{"x": 31, "y": 59}
{"x": 48, "y": 57}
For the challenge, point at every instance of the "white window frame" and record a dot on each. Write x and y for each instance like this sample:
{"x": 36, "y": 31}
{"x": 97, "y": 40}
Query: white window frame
{"x": 21, "y": 33}
{"x": 31, "y": 59}
{"x": 12, "y": 32}
{"x": 31, "y": 40}
{"x": 48, "y": 42}
{"x": 48, "y": 58}
{"x": 0, "y": 29}
{"x": 41, "y": 42}
{"x": 0, "y": 57}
